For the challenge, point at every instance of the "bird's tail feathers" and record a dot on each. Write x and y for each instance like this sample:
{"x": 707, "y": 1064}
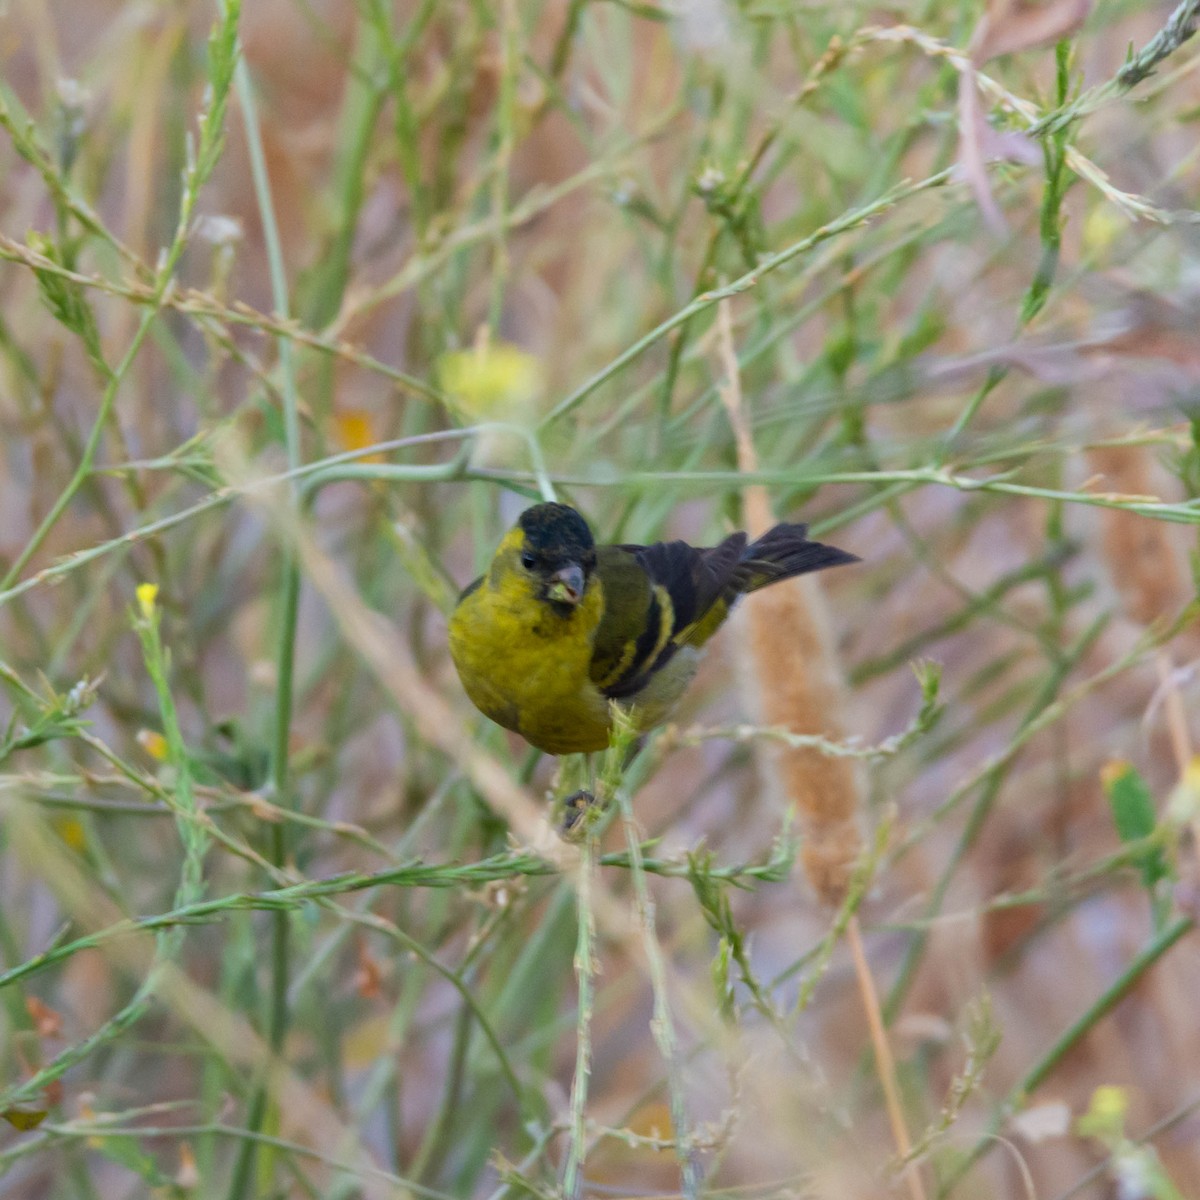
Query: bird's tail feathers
{"x": 783, "y": 552}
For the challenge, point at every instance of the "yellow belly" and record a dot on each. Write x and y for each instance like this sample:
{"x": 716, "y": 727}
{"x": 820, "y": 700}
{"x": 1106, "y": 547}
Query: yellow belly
{"x": 526, "y": 667}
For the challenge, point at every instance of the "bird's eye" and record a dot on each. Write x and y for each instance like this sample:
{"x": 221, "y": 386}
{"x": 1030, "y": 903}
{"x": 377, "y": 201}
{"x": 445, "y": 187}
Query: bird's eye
{"x": 528, "y": 561}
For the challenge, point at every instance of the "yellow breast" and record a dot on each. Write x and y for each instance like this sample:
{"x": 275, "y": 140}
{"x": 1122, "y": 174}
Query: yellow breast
{"x": 526, "y": 666}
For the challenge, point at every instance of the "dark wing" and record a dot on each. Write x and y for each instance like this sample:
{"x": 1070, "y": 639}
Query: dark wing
{"x": 661, "y": 597}
{"x": 654, "y": 597}
{"x": 782, "y": 552}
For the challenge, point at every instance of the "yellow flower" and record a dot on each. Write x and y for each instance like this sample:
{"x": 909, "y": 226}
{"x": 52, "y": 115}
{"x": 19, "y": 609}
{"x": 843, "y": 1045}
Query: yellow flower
{"x": 1101, "y": 228}
{"x": 492, "y": 381}
{"x": 355, "y": 431}
{"x": 1109, "y": 1101}
{"x": 153, "y": 743}
{"x": 1105, "y": 1117}
{"x": 1114, "y": 771}
{"x": 147, "y": 595}
{"x": 71, "y": 830}
{"x": 1183, "y": 805}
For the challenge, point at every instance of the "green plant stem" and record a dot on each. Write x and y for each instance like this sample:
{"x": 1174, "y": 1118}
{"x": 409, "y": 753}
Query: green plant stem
{"x": 84, "y": 469}
{"x": 211, "y": 122}
{"x": 411, "y": 874}
{"x": 1048, "y": 700}
{"x": 502, "y": 159}
{"x": 662, "y": 1026}
{"x": 195, "y": 839}
{"x": 750, "y": 279}
{"x": 1099, "y": 1008}
{"x": 585, "y": 970}
{"x": 1183, "y": 513}
{"x": 435, "y": 1144}
{"x": 1179, "y": 28}
{"x": 277, "y": 1010}
{"x": 59, "y": 1133}
{"x": 208, "y": 312}
{"x": 1031, "y": 726}
{"x": 890, "y": 482}
{"x": 452, "y": 469}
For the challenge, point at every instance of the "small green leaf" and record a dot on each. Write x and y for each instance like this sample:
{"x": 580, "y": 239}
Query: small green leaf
{"x": 721, "y": 981}
{"x": 1134, "y": 814}
{"x": 23, "y": 1119}
{"x": 1132, "y": 804}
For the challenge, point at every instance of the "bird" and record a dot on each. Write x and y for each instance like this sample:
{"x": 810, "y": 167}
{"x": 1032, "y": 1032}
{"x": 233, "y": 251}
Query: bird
{"x": 558, "y": 628}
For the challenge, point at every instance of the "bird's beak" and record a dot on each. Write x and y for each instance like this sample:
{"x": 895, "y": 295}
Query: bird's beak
{"x": 566, "y": 585}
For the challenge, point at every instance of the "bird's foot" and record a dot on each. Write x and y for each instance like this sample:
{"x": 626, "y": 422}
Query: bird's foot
{"x": 579, "y": 813}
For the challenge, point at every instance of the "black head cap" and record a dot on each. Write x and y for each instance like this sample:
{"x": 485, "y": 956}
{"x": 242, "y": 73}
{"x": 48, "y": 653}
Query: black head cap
{"x": 556, "y": 533}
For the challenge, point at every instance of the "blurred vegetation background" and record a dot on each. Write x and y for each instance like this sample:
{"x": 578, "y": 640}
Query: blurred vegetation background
{"x": 301, "y": 304}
